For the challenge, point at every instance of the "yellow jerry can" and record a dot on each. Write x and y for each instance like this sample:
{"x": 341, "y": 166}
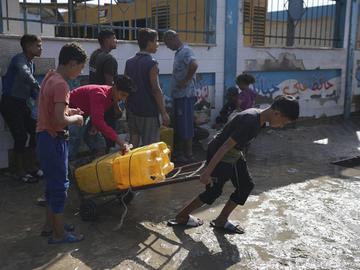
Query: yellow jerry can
{"x": 139, "y": 167}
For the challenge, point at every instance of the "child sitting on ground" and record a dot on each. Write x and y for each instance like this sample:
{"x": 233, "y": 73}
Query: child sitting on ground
{"x": 247, "y": 96}
{"x": 231, "y": 105}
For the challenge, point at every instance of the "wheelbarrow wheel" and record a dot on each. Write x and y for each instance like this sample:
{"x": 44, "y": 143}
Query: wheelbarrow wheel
{"x": 128, "y": 197}
{"x": 88, "y": 210}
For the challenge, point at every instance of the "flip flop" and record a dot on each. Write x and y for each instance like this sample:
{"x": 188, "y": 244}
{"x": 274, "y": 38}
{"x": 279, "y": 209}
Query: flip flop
{"x": 69, "y": 238}
{"x": 41, "y": 201}
{"x": 37, "y": 173}
{"x": 29, "y": 179}
{"x": 192, "y": 222}
{"x": 67, "y": 227}
{"x": 229, "y": 227}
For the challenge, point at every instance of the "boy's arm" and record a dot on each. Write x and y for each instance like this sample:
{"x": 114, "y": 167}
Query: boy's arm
{"x": 62, "y": 119}
{"x": 97, "y": 119}
{"x": 192, "y": 67}
{"x": 27, "y": 76}
{"x": 157, "y": 93}
{"x": 110, "y": 70}
{"x": 205, "y": 177}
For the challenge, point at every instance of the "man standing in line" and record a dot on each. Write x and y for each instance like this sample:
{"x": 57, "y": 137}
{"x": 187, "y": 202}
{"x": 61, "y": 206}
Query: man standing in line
{"x": 145, "y": 104}
{"x": 102, "y": 65}
{"x": 103, "y": 68}
{"x": 19, "y": 85}
{"x": 183, "y": 93}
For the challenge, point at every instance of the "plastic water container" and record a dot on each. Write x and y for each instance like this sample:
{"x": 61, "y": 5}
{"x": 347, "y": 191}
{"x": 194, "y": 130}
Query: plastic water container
{"x": 142, "y": 166}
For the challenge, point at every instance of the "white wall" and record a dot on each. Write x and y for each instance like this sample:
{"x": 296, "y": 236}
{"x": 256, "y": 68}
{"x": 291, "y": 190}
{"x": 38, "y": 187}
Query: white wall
{"x": 311, "y": 59}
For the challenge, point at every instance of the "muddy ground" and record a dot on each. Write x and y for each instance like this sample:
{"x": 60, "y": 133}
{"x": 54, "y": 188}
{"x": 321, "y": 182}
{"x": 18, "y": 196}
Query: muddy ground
{"x": 303, "y": 214}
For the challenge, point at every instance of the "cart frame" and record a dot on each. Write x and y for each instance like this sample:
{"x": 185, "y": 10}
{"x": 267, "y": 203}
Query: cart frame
{"x": 88, "y": 206}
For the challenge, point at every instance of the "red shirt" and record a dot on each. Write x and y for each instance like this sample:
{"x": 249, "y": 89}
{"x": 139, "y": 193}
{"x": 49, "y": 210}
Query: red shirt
{"x": 94, "y": 101}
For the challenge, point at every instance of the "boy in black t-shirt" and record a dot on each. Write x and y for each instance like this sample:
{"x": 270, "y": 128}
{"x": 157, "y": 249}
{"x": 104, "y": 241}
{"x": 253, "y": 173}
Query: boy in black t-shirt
{"x": 225, "y": 161}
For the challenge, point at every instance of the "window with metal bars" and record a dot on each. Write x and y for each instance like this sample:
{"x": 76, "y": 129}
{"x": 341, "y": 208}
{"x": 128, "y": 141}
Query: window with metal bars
{"x": 293, "y": 23}
{"x": 194, "y": 20}
{"x": 160, "y": 19}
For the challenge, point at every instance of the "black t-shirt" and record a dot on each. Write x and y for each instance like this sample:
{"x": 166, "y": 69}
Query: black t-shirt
{"x": 225, "y": 112}
{"x": 243, "y": 128}
{"x": 99, "y": 64}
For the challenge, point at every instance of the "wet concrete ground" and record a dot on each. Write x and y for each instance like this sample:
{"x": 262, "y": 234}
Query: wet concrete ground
{"x": 303, "y": 214}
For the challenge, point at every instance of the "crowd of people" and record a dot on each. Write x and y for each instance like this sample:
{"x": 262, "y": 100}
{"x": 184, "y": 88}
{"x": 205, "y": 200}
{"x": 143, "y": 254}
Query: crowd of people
{"x": 89, "y": 113}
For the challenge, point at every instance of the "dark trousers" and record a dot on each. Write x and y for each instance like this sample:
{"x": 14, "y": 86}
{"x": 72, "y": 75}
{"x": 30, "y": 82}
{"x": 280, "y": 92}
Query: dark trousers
{"x": 240, "y": 178}
{"x": 17, "y": 116}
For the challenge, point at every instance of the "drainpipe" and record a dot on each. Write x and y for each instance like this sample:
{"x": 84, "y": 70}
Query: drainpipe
{"x": 231, "y": 46}
{"x": 350, "y": 57}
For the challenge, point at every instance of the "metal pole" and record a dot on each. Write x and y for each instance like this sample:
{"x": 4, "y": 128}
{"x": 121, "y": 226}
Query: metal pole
{"x": 98, "y": 26}
{"x": 41, "y": 22}
{"x": 111, "y": 15}
{"x": 177, "y": 15}
{"x": 86, "y": 22}
{"x": 350, "y": 57}
{"x": 147, "y": 18}
{"x": 195, "y": 20}
{"x": 186, "y": 19}
{"x": 25, "y": 16}
{"x": 7, "y": 15}
{"x": 71, "y": 14}
{"x": 290, "y": 32}
{"x": 1, "y": 21}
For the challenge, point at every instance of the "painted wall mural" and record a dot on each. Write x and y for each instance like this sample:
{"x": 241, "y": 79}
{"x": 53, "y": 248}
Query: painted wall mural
{"x": 205, "y": 93}
{"x": 321, "y": 84}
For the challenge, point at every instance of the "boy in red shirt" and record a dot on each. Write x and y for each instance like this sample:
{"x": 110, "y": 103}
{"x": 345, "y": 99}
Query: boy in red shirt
{"x": 54, "y": 116}
{"x": 94, "y": 101}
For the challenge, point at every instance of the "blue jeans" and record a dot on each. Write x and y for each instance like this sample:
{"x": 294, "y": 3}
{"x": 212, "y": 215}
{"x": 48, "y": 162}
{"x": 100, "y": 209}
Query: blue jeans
{"x": 79, "y": 133}
{"x": 53, "y": 156}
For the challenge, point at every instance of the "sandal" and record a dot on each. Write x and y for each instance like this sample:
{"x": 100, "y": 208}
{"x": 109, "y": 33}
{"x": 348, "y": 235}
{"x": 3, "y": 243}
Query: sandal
{"x": 37, "y": 173}
{"x": 41, "y": 201}
{"x": 191, "y": 222}
{"x": 69, "y": 238}
{"x": 67, "y": 228}
{"x": 229, "y": 227}
{"x": 29, "y": 179}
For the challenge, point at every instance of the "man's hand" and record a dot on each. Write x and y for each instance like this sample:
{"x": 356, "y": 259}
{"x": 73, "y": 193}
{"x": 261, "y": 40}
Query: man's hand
{"x": 79, "y": 119}
{"x": 72, "y": 111}
{"x": 93, "y": 130}
{"x": 124, "y": 146}
{"x": 205, "y": 178}
{"x": 165, "y": 119}
{"x": 182, "y": 84}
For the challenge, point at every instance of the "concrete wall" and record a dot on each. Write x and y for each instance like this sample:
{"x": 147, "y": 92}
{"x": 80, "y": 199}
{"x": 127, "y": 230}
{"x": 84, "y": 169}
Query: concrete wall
{"x": 285, "y": 58}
